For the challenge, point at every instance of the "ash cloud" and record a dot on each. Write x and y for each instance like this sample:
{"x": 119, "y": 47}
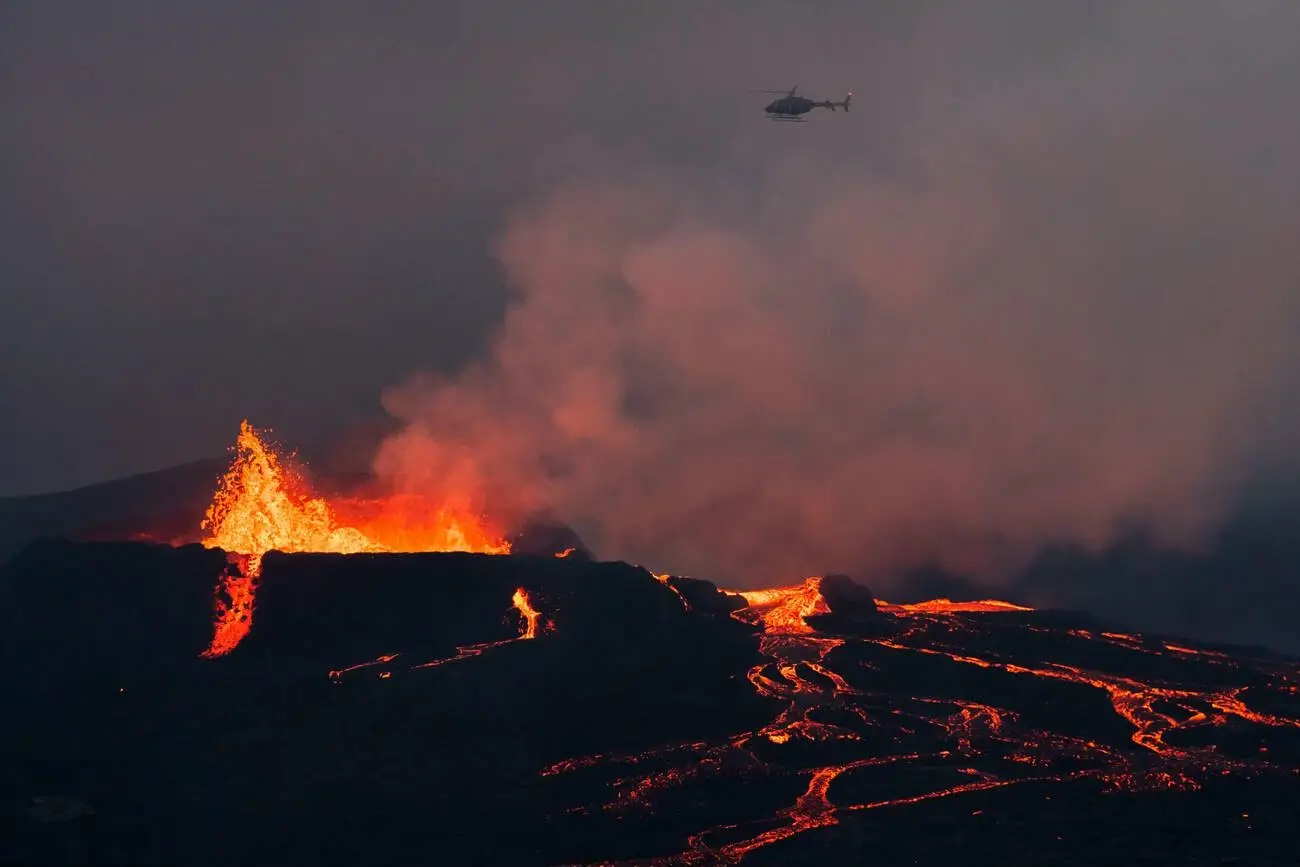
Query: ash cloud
{"x": 1055, "y": 298}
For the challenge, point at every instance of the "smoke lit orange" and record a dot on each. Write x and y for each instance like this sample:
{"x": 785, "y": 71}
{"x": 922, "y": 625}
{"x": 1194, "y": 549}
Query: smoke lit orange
{"x": 262, "y": 505}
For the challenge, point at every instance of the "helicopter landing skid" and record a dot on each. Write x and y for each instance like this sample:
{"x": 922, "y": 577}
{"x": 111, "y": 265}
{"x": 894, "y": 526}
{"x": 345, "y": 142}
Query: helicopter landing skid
{"x": 786, "y": 118}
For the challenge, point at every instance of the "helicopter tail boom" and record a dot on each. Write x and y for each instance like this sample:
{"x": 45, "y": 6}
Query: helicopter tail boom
{"x": 834, "y": 105}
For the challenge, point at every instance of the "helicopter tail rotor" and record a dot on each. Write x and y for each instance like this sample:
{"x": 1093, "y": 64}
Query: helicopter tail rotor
{"x": 834, "y": 105}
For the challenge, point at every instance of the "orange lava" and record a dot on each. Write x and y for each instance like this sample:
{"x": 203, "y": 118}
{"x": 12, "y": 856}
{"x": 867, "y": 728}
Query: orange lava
{"x": 529, "y": 613}
{"x": 1187, "y": 651}
{"x": 813, "y": 809}
{"x": 781, "y": 610}
{"x": 947, "y": 606}
{"x": 664, "y": 579}
{"x": 1136, "y": 702}
{"x": 527, "y": 631}
{"x": 799, "y": 672}
{"x": 411, "y": 523}
{"x": 234, "y": 606}
{"x": 262, "y": 505}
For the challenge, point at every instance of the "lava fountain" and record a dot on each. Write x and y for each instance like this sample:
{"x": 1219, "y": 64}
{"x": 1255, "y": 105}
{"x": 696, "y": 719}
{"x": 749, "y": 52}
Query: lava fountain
{"x": 262, "y": 504}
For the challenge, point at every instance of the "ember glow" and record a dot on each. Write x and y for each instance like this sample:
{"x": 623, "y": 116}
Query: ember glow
{"x": 262, "y": 504}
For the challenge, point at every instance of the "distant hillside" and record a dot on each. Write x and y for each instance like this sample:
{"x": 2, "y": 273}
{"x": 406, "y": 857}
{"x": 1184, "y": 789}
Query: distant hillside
{"x": 1241, "y": 586}
{"x": 169, "y": 501}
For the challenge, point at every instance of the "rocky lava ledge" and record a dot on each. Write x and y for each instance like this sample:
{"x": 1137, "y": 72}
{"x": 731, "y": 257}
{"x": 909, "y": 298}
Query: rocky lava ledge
{"x": 476, "y": 709}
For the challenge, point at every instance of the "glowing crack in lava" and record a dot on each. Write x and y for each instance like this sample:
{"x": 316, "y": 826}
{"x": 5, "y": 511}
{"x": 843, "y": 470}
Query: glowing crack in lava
{"x": 262, "y": 505}
{"x": 837, "y": 727}
{"x": 523, "y": 605}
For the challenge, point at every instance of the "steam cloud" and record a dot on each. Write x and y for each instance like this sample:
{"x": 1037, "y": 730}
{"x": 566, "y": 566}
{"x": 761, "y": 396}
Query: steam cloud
{"x": 1068, "y": 303}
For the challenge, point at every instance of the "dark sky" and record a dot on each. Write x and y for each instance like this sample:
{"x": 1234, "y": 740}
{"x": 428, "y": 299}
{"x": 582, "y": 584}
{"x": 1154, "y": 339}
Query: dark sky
{"x": 1042, "y": 277}
{"x": 212, "y": 211}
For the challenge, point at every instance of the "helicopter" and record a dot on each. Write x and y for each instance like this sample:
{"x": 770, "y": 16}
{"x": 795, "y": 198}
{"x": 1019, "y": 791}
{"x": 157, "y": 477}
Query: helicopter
{"x": 790, "y": 106}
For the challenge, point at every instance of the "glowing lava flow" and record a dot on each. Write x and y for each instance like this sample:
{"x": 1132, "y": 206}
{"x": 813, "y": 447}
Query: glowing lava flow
{"x": 525, "y": 607}
{"x": 527, "y": 631}
{"x": 261, "y": 505}
{"x": 1132, "y": 700}
{"x": 789, "y": 641}
{"x": 824, "y": 714}
{"x": 947, "y": 606}
{"x": 781, "y": 610}
{"x": 234, "y": 604}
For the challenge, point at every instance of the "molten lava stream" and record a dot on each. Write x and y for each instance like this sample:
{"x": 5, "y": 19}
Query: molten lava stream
{"x": 527, "y": 632}
{"x": 797, "y": 672}
{"x": 234, "y": 605}
{"x": 947, "y": 606}
{"x": 1136, "y": 702}
{"x": 790, "y": 642}
{"x": 529, "y": 617}
{"x": 262, "y": 505}
{"x": 793, "y": 648}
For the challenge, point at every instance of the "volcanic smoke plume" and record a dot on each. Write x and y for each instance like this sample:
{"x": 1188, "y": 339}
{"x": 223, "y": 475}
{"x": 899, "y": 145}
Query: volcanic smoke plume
{"x": 1068, "y": 307}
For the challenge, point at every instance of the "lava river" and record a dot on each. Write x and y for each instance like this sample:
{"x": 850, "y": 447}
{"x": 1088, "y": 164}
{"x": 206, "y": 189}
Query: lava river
{"x": 843, "y": 721}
